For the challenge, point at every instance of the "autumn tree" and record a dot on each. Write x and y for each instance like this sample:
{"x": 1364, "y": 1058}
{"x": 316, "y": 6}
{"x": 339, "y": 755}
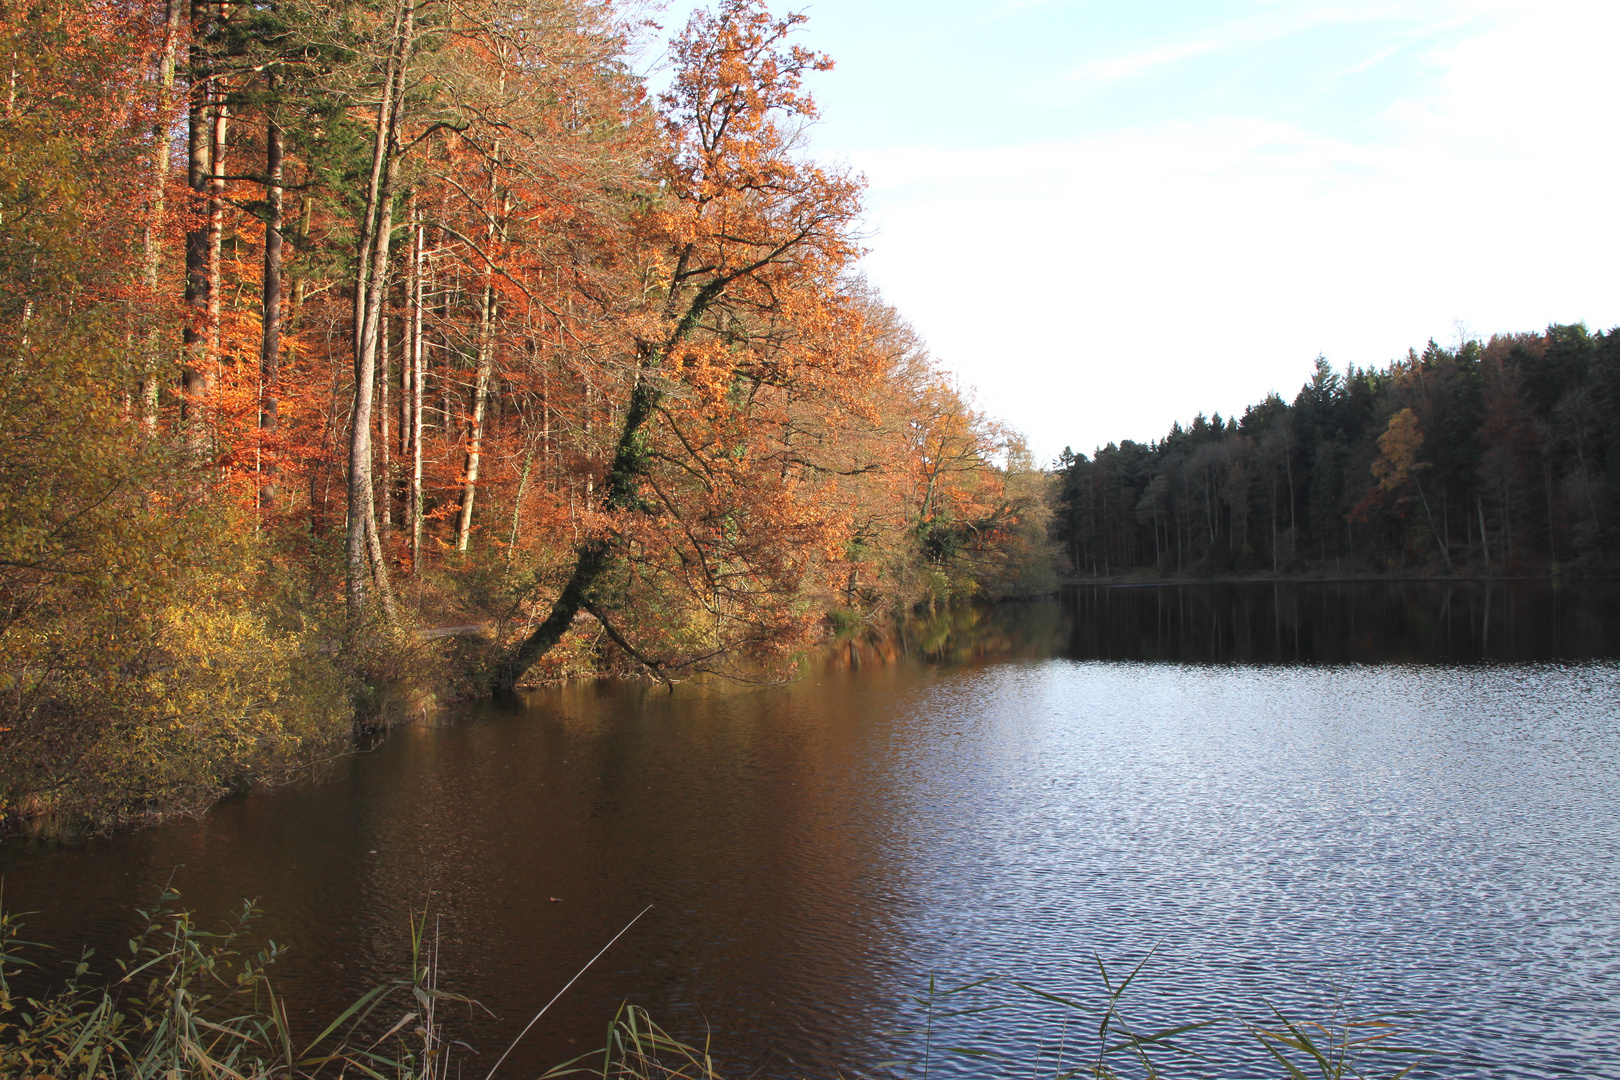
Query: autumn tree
{"x": 745, "y": 234}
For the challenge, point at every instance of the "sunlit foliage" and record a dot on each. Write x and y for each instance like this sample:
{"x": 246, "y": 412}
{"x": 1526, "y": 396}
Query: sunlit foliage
{"x": 320, "y": 323}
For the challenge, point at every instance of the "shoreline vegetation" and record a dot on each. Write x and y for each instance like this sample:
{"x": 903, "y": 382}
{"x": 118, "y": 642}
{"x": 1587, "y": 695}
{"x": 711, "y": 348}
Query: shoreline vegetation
{"x": 190, "y": 1001}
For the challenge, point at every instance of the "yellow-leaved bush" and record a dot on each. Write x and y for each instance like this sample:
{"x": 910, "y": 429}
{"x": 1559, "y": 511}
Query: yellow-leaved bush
{"x": 209, "y": 698}
{"x": 152, "y": 653}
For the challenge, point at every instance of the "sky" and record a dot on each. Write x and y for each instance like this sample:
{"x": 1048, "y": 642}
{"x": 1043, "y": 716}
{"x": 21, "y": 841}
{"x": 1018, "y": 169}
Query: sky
{"x": 1108, "y": 215}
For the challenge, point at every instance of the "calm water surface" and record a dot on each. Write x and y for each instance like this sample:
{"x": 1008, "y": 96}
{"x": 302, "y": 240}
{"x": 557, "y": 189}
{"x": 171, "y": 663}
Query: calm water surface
{"x": 1406, "y": 794}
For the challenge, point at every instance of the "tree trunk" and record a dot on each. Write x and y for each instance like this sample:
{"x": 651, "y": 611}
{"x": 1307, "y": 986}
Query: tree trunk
{"x": 270, "y": 343}
{"x": 1552, "y": 525}
{"x": 1586, "y": 482}
{"x": 486, "y": 347}
{"x": 1434, "y": 531}
{"x": 1293, "y": 509}
{"x": 623, "y": 489}
{"x": 407, "y": 354}
{"x": 418, "y": 378}
{"x": 517, "y": 501}
{"x": 301, "y": 286}
{"x": 363, "y": 564}
{"x": 595, "y": 555}
{"x": 198, "y": 176}
{"x": 216, "y": 236}
{"x": 386, "y": 438}
{"x": 1271, "y": 487}
{"x": 151, "y": 362}
{"x": 1445, "y": 514}
{"x": 475, "y": 444}
{"x": 1507, "y": 521}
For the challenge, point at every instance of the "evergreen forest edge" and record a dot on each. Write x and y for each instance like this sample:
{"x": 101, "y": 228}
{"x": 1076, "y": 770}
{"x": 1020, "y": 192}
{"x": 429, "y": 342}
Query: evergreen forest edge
{"x": 1494, "y": 458}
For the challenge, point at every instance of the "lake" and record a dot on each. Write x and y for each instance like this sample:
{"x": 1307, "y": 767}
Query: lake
{"x": 1395, "y": 796}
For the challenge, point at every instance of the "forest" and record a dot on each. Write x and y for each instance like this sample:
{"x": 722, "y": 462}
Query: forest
{"x": 1496, "y": 458}
{"x": 328, "y": 327}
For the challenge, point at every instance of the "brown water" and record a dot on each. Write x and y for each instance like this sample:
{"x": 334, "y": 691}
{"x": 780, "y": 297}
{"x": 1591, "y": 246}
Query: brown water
{"x": 1409, "y": 792}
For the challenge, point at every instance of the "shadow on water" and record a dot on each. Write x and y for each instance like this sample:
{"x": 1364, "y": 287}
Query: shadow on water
{"x": 1344, "y": 622}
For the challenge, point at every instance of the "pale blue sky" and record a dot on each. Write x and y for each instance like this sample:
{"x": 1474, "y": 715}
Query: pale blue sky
{"x": 1109, "y": 215}
{"x": 978, "y": 75}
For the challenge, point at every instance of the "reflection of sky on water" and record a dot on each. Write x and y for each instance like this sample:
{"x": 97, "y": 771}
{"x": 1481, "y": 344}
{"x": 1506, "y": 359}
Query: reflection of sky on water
{"x": 1440, "y": 837}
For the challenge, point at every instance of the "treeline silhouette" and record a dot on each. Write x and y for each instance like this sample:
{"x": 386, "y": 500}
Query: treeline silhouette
{"x": 1495, "y": 457}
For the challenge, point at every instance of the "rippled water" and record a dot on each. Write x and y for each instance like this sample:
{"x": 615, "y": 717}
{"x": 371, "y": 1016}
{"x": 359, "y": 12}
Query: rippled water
{"x": 1443, "y": 838}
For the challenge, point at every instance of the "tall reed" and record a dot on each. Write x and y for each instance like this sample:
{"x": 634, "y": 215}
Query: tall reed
{"x": 190, "y": 1002}
{"x": 187, "y": 1002}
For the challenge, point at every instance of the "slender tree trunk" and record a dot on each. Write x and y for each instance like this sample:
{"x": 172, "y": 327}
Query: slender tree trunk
{"x": 1484, "y": 540}
{"x": 270, "y": 344}
{"x": 301, "y": 288}
{"x": 1293, "y": 509}
{"x": 216, "y": 236}
{"x": 475, "y": 444}
{"x": 407, "y": 338}
{"x": 545, "y": 413}
{"x": 199, "y": 171}
{"x": 499, "y": 208}
{"x": 407, "y": 367}
{"x": 364, "y": 565}
{"x": 419, "y": 378}
{"x": 1209, "y": 512}
{"x": 1445, "y": 515}
{"x": 386, "y": 437}
{"x": 1273, "y": 473}
{"x": 1434, "y": 530}
{"x": 1507, "y": 521}
{"x": 401, "y": 488}
{"x": 1586, "y": 482}
{"x": 1552, "y": 525}
{"x": 517, "y": 501}
{"x": 1179, "y": 530}
{"x": 151, "y": 362}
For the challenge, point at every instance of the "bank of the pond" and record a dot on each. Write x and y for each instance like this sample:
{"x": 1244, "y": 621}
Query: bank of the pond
{"x": 257, "y": 710}
{"x": 214, "y": 709}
